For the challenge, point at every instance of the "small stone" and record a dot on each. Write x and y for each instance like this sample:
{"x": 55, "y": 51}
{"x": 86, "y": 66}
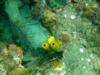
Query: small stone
{"x": 84, "y": 67}
{"x": 65, "y": 15}
{"x": 86, "y": 4}
{"x": 72, "y": 17}
{"x": 81, "y": 50}
{"x": 97, "y": 63}
{"x": 64, "y": 37}
{"x": 92, "y": 56}
{"x": 89, "y": 60}
{"x": 82, "y": 59}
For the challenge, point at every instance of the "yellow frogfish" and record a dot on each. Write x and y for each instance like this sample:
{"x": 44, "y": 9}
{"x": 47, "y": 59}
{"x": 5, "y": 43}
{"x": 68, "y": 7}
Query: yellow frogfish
{"x": 52, "y": 44}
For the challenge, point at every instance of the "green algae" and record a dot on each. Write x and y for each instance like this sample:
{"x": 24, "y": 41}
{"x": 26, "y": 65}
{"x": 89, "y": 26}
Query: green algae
{"x": 20, "y": 71}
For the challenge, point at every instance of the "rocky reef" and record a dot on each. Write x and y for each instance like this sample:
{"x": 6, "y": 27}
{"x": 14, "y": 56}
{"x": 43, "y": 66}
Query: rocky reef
{"x": 49, "y": 37}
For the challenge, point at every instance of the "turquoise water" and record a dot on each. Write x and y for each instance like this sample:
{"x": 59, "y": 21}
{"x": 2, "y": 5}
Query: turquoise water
{"x": 49, "y": 37}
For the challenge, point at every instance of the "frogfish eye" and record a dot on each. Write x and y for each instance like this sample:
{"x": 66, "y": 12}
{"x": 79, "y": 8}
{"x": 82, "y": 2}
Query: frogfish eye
{"x": 45, "y": 46}
{"x": 53, "y": 43}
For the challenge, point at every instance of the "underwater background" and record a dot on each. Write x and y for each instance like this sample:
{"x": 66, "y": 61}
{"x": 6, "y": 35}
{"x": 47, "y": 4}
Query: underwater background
{"x": 49, "y": 37}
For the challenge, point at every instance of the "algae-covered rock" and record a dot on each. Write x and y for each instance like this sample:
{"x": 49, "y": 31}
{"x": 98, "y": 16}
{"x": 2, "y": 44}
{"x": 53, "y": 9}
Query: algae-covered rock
{"x": 3, "y": 49}
{"x": 16, "y": 53}
{"x": 2, "y": 70}
{"x": 10, "y": 58}
{"x": 49, "y": 18}
{"x": 80, "y": 22}
{"x": 20, "y": 71}
{"x": 97, "y": 64}
{"x": 87, "y": 2}
{"x": 57, "y": 3}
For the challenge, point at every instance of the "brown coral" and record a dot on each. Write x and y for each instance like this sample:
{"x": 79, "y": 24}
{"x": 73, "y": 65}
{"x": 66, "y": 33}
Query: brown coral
{"x": 49, "y": 19}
